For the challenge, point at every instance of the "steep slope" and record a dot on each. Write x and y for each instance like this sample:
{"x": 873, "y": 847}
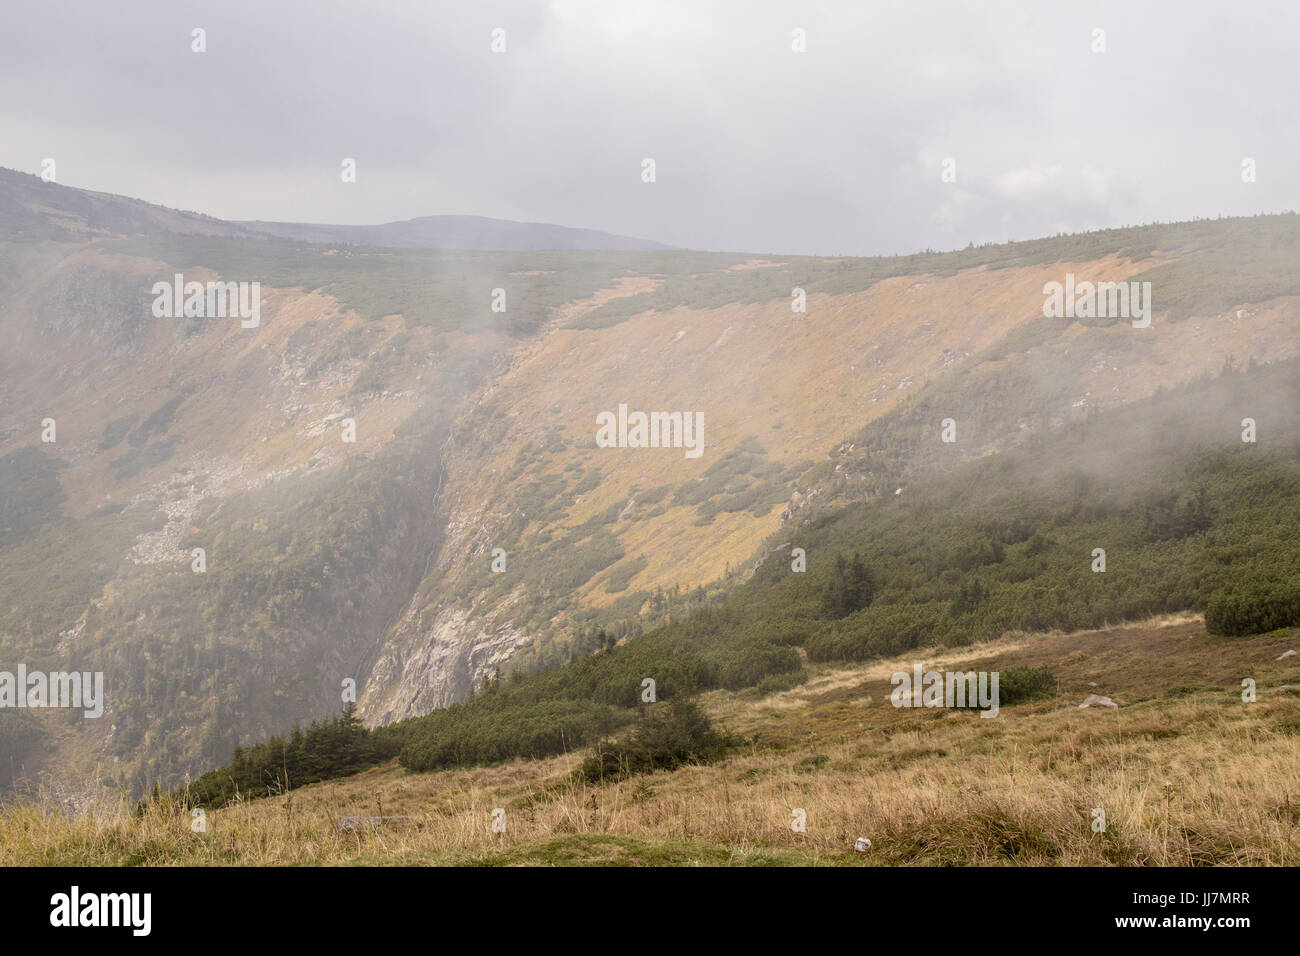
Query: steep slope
{"x": 301, "y": 456}
{"x": 1190, "y": 516}
{"x": 801, "y": 411}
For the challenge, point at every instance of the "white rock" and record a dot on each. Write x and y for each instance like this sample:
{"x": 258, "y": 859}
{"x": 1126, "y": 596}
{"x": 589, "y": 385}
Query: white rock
{"x": 1096, "y": 700}
{"x": 1284, "y": 654}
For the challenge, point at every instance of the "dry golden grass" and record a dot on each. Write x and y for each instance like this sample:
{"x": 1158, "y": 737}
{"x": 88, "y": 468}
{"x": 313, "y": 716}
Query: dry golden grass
{"x": 1188, "y": 775}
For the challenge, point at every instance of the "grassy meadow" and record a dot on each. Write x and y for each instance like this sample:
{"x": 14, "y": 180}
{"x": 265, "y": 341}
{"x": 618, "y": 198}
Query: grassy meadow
{"x": 1185, "y": 771}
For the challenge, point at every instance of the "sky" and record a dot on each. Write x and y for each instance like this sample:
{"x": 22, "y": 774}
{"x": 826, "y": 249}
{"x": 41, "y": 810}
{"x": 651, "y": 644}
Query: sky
{"x": 836, "y": 150}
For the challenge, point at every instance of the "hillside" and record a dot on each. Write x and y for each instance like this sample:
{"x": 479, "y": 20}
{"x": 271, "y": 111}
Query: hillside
{"x": 1183, "y": 514}
{"x": 371, "y": 560}
{"x": 804, "y": 411}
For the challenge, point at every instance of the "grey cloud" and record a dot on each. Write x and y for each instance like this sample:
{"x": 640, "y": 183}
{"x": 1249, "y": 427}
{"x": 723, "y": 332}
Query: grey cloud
{"x": 758, "y": 148}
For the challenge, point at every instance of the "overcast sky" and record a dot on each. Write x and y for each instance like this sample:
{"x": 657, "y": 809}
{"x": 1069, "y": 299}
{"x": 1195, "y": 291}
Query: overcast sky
{"x": 838, "y": 150}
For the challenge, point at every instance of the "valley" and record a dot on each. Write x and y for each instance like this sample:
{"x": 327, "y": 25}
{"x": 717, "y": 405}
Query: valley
{"x": 327, "y": 560}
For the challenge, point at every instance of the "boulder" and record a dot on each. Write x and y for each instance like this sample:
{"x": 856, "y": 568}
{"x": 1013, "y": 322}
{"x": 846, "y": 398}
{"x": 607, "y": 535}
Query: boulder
{"x": 1096, "y": 700}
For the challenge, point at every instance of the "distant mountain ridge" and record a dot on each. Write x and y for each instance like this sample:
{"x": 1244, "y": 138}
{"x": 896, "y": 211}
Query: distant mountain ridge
{"x": 31, "y": 209}
{"x": 458, "y": 232}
